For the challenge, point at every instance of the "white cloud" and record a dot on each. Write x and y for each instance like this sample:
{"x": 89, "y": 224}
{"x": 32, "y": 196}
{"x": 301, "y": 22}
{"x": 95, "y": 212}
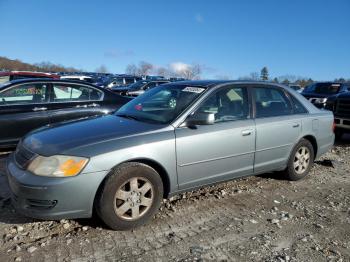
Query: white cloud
{"x": 179, "y": 67}
{"x": 199, "y": 18}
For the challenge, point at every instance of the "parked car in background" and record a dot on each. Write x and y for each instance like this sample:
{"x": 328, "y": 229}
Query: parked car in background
{"x": 83, "y": 78}
{"x": 153, "y": 77}
{"x": 138, "y": 88}
{"x": 318, "y": 93}
{"x": 297, "y": 88}
{"x": 174, "y": 138}
{"x": 31, "y": 103}
{"x": 14, "y": 75}
{"x": 340, "y": 105}
{"x": 174, "y": 79}
{"x": 122, "y": 80}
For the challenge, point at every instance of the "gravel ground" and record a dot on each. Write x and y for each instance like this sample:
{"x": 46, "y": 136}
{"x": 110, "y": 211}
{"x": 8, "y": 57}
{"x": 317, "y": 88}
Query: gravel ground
{"x": 260, "y": 218}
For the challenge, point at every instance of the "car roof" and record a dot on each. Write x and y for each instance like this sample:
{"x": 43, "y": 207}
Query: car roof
{"x": 75, "y": 76}
{"x": 27, "y": 73}
{"x": 34, "y": 80}
{"x": 213, "y": 83}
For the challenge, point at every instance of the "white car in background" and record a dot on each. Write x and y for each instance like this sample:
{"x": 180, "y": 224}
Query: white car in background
{"x": 88, "y": 79}
{"x": 297, "y": 88}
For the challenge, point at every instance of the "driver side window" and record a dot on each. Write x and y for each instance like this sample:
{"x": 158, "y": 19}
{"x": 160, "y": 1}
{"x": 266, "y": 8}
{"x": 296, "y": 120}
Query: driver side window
{"x": 227, "y": 104}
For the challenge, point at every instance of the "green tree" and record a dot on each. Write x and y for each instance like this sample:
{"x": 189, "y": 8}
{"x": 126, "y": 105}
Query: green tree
{"x": 264, "y": 74}
{"x": 286, "y": 82}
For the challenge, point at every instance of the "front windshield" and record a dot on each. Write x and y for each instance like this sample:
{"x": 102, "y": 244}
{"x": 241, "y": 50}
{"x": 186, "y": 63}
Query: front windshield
{"x": 161, "y": 105}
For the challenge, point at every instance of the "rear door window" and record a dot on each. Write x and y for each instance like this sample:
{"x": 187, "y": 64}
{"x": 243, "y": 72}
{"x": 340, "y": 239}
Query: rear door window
{"x": 271, "y": 102}
{"x": 72, "y": 92}
{"x": 298, "y": 107}
{"x": 24, "y": 94}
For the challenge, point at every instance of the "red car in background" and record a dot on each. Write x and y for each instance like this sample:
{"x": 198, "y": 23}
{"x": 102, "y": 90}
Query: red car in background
{"x": 14, "y": 75}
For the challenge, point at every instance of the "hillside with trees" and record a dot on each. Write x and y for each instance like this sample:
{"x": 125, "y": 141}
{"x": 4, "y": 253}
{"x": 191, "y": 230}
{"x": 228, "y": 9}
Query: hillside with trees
{"x": 7, "y": 64}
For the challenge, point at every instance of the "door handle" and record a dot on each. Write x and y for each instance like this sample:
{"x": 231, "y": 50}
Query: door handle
{"x": 94, "y": 105}
{"x": 81, "y": 106}
{"x": 295, "y": 125}
{"x": 35, "y": 109}
{"x": 247, "y": 132}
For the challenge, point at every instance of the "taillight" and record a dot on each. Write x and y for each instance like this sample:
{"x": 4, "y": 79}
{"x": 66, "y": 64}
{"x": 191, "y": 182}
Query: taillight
{"x": 333, "y": 127}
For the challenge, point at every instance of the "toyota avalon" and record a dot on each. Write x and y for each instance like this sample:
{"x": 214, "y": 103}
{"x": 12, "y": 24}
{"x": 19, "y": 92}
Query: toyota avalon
{"x": 176, "y": 137}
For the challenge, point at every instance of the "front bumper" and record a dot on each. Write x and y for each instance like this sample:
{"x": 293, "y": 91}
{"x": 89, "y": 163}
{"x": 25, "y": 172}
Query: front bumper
{"x": 342, "y": 123}
{"x": 52, "y": 198}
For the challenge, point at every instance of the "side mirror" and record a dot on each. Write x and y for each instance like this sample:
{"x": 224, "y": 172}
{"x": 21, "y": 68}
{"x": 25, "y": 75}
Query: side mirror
{"x": 198, "y": 119}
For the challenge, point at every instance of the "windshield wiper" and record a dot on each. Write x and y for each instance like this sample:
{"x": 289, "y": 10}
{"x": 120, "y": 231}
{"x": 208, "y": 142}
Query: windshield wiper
{"x": 128, "y": 116}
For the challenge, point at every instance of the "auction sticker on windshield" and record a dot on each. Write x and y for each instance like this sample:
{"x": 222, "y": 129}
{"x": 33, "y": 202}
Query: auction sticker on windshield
{"x": 193, "y": 89}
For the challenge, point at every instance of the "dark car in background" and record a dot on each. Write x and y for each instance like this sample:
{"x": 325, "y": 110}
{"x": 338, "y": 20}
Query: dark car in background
{"x": 15, "y": 75}
{"x": 32, "y": 103}
{"x": 142, "y": 86}
{"x": 340, "y": 105}
{"x": 318, "y": 93}
{"x": 122, "y": 80}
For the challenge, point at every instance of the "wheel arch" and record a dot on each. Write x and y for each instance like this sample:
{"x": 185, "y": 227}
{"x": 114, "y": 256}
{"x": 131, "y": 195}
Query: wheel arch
{"x": 149, "y": 162}
{"x": 160, "y": 170}
{"x": 313, "y": 142}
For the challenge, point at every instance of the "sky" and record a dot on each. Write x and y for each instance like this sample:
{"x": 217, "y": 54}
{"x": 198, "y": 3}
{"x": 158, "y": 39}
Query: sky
{"x": 232, "y": 38}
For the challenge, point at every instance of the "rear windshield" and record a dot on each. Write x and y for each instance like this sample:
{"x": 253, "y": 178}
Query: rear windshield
{"x": 323, "y": 88}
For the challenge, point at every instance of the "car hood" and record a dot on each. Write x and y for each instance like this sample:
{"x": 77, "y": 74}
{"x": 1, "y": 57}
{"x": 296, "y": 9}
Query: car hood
{"x": 55, "y": 140}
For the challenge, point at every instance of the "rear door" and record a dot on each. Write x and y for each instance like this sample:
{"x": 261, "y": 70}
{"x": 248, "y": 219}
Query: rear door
{"x": 74, "y": 101}
{"x": 277, "y": 128}
{"x": 23, "y": 108}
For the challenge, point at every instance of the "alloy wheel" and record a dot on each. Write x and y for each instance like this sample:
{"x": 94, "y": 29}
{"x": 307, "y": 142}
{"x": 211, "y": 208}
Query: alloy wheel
{"x": 134, "y": 198}
{"x": 301, "y": 160}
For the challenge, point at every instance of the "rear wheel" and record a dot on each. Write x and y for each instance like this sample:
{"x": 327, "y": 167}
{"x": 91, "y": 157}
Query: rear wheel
{"x": 300, "y": 161}
{"x": 130, "y": 196}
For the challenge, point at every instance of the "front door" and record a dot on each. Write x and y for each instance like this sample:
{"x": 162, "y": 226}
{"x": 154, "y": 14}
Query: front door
{"x": 218, "y": 152}
{"x": 23, "y": 108}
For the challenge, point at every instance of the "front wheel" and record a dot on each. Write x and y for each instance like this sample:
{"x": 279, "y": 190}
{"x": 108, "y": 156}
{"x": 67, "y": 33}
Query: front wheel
{"x": 130, "y": 196}
{"x": 300, "y": 160}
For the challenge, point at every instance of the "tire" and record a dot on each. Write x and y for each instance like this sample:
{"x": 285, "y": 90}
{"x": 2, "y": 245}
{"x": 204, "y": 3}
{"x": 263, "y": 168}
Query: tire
{"x": 129, "y": 196}
{"x": 299, "y": 164}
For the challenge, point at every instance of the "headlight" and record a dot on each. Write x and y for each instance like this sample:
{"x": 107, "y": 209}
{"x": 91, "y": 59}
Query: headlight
{"x": 57, "y": 166}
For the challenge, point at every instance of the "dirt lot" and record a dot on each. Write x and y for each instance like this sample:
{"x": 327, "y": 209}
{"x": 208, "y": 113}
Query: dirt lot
{"x": 255, "y": 219}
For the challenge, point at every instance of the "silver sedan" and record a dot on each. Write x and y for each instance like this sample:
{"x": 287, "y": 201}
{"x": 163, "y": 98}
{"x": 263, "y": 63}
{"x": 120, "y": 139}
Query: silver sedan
{"x": 174, "y": 138}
